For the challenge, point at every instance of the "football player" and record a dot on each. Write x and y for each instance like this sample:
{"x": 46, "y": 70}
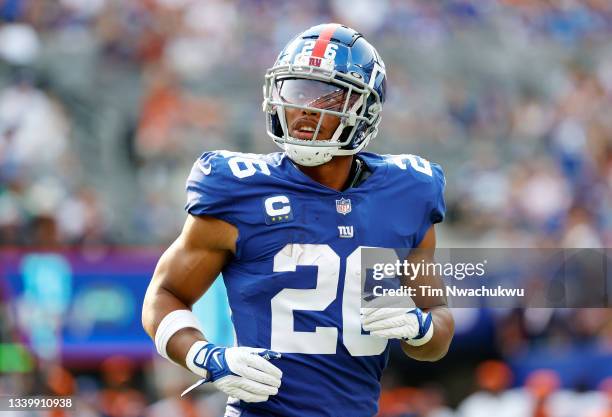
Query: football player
{"x": 286, "y": 230}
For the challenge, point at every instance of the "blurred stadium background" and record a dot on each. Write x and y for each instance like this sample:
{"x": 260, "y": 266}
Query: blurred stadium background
{"x": 105, "y": 104}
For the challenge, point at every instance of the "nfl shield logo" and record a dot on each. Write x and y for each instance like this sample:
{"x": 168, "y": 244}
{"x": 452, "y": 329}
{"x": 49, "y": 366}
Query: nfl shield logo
{"x": 343, "y": 206}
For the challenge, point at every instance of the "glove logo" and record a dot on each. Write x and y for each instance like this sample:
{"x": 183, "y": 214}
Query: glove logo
{"x": 216, "y": 358}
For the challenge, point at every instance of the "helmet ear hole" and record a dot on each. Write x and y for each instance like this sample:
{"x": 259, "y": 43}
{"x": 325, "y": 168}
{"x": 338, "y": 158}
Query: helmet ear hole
{"x": 345, "y": 134}
{"x": 277, "y": 129}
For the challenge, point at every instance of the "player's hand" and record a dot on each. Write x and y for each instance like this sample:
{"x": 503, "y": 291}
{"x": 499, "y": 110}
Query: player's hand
{"x": 411, "y": 325}
{"x": 240, "y": 372}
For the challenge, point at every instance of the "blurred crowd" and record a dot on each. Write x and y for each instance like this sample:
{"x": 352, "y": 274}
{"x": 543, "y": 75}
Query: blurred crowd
{"x": 105, "y": 104}
{"x": 541, "y": 395}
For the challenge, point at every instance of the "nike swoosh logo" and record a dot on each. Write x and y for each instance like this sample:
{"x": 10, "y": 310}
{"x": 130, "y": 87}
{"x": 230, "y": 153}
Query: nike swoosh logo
{"x": 216, "y": 358}
{"x": 205, "y": 169}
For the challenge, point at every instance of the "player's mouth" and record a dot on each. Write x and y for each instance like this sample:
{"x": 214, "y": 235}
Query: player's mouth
{"x": 304, "y": 129}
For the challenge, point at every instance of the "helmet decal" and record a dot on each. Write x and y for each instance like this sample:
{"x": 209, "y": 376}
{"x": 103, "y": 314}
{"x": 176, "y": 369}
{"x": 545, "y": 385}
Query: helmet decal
{"x": 322, "y": 47}
{"x": 320, "y": 52}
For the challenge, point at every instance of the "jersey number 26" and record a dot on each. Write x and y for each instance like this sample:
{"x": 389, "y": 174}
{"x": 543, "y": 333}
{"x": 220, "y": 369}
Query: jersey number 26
{"x": 324, "y": 339}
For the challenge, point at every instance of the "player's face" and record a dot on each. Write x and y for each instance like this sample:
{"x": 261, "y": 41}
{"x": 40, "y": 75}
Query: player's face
{"x": 302, "y": 123}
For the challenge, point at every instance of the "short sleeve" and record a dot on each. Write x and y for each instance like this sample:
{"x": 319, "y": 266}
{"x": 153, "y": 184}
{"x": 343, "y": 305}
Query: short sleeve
{"x": 207, "y": 188}
{"x": 435, "y": 207}
{"x": 438, "y": 208}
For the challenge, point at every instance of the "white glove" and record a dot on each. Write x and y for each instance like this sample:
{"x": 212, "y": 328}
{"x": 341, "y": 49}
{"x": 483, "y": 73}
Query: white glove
{"x": 240, "y": 372}
{"x": 411, "y": 325}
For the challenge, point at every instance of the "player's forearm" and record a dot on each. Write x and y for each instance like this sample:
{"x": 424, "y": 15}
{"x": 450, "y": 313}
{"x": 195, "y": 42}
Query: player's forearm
{"x": 437, "y": 347}
{"x": 158, "y": 303}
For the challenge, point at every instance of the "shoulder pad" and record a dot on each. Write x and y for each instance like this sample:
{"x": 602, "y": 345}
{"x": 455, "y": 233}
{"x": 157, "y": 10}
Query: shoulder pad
{"x": 427, "y": 177}
{"x": 217, "y": 179}
{"x": 417, "y": 167}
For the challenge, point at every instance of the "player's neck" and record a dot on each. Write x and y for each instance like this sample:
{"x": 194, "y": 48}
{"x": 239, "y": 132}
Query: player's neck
{"x": 333, "y": 174}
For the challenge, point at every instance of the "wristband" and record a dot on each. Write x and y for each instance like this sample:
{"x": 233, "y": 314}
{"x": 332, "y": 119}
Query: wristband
{"x": 172, "y": 323}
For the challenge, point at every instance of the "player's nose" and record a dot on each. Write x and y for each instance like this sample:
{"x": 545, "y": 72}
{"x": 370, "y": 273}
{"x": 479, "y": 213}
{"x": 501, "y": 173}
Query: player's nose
{"x": 310, "y": 112}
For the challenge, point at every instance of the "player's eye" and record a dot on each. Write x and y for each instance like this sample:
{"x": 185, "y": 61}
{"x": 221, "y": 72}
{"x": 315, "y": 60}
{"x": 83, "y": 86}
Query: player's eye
{"x": 313, "y": 93}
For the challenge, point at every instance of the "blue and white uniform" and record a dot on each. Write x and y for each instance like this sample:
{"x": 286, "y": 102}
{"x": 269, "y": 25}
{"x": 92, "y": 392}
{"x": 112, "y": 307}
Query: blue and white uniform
{"x": 294, "y": 284}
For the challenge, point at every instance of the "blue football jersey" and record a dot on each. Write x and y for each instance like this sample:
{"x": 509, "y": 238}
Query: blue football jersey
{"x": 294, "y": 283}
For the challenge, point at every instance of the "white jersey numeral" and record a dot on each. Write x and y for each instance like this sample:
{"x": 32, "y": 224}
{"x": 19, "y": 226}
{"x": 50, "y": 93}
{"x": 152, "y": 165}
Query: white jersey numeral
{"x": 416, "y": 162}
{"x": 243, "y": 167}
{"x": 324, "y": 339}
{"x": 356, "y": 343}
